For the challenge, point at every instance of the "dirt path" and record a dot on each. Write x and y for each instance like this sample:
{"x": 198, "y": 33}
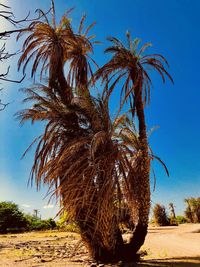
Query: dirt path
{"x": 178, "y": 245}
{"x": 165, "y": 246}
{"x": 177, "y": 241}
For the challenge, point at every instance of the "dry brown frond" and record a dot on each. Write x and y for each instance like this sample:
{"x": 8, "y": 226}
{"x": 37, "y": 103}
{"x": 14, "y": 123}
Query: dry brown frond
{"x": 130, "y": 65}
{"x": 83, "y": 165}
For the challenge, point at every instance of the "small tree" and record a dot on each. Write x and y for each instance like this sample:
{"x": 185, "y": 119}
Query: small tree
{"x": 172, "y": 210}
{"x": 11, "y": 218}
{"x": 160, "y": 215}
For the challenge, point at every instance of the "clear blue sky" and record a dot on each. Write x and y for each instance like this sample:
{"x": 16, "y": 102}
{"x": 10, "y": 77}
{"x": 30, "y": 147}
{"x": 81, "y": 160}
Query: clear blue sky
{"x": 173, "y": 28}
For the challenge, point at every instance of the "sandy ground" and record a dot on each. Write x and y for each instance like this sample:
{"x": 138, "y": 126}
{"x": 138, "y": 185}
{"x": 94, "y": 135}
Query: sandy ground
{"x": 165, "y": 246}
{"x": 173, "y": 246}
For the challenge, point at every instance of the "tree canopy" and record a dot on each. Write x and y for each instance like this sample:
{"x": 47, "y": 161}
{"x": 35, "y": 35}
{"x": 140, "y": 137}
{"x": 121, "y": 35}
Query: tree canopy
{"x": 11, "y": 218}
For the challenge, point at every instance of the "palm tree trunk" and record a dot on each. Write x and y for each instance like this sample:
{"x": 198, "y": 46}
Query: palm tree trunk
{"x": 56, "y": 75}
{"x": 95, "y": 241}
{"x": 143, "y": 172}
{"x": 98, "y": 251}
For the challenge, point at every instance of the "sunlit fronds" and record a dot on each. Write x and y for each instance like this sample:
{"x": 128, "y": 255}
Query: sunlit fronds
{"x": 136, "y": 66}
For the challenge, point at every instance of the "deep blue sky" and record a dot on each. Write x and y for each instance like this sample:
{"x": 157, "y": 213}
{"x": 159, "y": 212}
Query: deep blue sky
{"x": 173, "y": 28}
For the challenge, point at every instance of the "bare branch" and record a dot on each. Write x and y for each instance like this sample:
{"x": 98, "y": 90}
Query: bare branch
{"x": 3, "y": 106}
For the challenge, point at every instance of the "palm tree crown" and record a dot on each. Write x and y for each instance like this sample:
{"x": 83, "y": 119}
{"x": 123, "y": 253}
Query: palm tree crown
{"x": 129, "y": 62}
{"x": 51, "y": 46}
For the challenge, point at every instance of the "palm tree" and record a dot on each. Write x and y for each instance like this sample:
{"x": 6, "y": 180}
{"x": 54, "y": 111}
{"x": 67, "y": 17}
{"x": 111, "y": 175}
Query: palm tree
{"x": 35, "y": 213}
{"x": 130, "y": 64}
{"x": 51, "y": 46}
{"x": 80, "y": 165}
{"x": 193, "y": 209}
{"x": 188, "y": 211}
{"x": 43, "y": 43}
{"x": 89, "y": 170}
{"x": 81, "y": 155}
{"x": 171, "y": 206}
{"x": 78, "y": 54}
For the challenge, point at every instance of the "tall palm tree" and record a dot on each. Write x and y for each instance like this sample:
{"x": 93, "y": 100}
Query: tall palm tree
{"x": 79, "y": 154}
{"x": 91, "y": 171}
{"x": 130, "y": 65}
{"x": 51, "y": 46}
{"x": 193, "y": 209}
{"x": 171, "y": 206}
{"x": 188, "y": 211}
{"x": 80, "y": 74}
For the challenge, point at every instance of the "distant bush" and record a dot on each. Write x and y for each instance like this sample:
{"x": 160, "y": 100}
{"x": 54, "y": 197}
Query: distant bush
{"x": 181, "y": 219}
{"x": 160, "y": 215}
{"x": 39, "y": 225}
{"x": 173, "y": 221}
{"x": 11, "y": 218}
{"x": 51, "y": 223}
{"x": 36, "y": 224}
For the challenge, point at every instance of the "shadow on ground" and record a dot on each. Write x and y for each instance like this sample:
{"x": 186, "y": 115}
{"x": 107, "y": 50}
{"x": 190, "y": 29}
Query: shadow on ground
{"x": 170, "y": 262}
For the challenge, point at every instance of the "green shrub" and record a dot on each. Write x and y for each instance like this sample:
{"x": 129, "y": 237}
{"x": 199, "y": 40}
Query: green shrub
{"x": 181, "y": 219}
{"x": 36, "y": 224}
{"x": 11, "y": 218}
{"x": 51, "y": 223}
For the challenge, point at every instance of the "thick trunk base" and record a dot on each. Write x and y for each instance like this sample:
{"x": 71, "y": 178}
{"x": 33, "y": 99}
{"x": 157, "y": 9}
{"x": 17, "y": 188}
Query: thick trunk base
{"x": 98, "y": 251}
{"x": 131, "y": 249}
{"x": 121, "y": 252}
